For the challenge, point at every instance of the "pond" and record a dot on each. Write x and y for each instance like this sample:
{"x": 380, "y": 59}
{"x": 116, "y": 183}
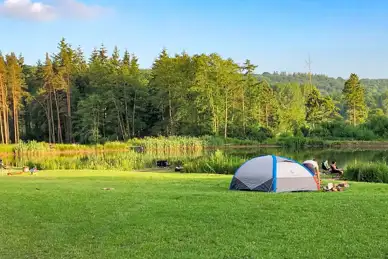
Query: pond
{"x": 221, "y": 160}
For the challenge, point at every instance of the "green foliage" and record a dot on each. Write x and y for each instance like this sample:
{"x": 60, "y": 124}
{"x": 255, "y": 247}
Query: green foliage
{"x": 379, "y": 126}
{"x": 292, "y": 110}
{"x": 31, "y": 146}
{"x": 109, "y": 98}
{"x": 376, "y": 172}
{"x": 7, "y": 148}
{"x": 342, "y": 130}
{"x": 326, "y": 85}
{"x": 354, "y": 95}
{"x": 301, "y": 142}
{"x": 217, "y": 163}
{"x": 319, "y": 109}
{"x": 128, "y": 160}
{"x": 173, "y": 142}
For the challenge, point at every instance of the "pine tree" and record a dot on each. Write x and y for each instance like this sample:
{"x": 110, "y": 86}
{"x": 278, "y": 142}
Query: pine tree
{"x": 134, "y": 66}
{"x": 103, "y": 54}
{"x": 115, "y": 59}
{"x": 94, "y": 55}
{"x": 79, "y": 63}
{"x": 64, "y": 61}
{"x": 126, "y": 58}
{"x": 247, "y": 88}
{"x": 134, "y": 74}
{"x": 3, "y": 101}
{"x": 15, "y": 84}
{"x": 48, "y": 77}
{"x": 354, "y": 96}
{"x": 268, "y": 105}
{"x": 161, "y": 81}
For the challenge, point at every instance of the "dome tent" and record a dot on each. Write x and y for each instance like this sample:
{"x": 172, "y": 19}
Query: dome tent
{"x": 273, "y": 174}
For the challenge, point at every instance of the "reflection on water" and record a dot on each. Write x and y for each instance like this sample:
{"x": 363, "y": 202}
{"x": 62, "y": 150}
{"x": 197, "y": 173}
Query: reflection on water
{"x": 342, "y": 156}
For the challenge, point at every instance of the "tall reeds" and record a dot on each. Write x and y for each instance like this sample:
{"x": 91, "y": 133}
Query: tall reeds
{"x": 216, "y": 163}
{"x": 148, "y": 143}
{"x": 376, "y": 172}
{"x": 128, "y": 160}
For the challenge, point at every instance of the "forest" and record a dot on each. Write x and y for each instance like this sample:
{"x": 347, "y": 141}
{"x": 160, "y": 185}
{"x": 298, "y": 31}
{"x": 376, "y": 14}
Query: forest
{"x": 69, "y": 98}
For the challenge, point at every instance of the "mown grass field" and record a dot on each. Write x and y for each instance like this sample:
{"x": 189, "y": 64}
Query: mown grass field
{"x": 66, "y": 214}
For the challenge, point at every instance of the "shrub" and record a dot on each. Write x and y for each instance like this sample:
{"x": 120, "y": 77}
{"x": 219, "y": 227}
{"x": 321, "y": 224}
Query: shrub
{"x": 369, "y": 172}
{"x": 217, "y": 163}
{"x": 378, "y": 125}
{"x": 259, "y": 134}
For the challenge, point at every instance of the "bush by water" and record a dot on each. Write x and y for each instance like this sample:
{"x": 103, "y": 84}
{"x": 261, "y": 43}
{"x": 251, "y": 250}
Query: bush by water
{"x": 368, "y": 172}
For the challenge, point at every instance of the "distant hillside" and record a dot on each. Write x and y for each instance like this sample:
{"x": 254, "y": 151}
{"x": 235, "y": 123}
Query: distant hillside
{"x": 327, "y": 85}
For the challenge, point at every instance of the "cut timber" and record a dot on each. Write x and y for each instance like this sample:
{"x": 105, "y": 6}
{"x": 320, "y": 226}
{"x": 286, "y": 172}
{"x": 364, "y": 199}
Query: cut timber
{"x": 331, "y": 187}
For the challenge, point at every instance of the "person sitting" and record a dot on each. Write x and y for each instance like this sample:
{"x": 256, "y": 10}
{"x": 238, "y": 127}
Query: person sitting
{"x": 336, "y": 170}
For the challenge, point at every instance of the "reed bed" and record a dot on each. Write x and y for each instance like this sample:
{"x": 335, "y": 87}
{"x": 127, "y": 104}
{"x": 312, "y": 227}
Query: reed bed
{"x": 193, "y": 161}
{"x": 376, "y": 172}
{"x": 129, "y": 160}
{"x": 217, "y": 163}
{"x": 148, "y": 143}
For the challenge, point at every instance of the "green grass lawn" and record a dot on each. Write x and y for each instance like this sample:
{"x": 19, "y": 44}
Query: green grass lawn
{"x": 66, "y": 214}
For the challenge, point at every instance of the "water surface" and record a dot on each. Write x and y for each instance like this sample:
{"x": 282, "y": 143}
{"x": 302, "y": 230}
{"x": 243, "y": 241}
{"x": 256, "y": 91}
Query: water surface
{"x": 342, "y": 156}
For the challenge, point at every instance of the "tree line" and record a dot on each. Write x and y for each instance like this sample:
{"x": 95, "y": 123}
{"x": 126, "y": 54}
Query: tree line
{"x": 68, "y": 98}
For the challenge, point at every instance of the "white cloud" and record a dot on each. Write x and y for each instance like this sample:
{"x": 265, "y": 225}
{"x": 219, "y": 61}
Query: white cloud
{"x": 42, "y": 11}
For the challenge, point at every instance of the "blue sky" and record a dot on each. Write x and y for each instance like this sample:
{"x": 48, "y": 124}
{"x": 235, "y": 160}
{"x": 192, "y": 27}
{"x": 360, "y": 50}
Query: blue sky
{"x": 341, "y": 37}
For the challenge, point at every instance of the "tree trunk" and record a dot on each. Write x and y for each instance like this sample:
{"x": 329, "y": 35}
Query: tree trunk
{"x": 266, "y": 115}
{"x": 95, "y": 125}
{"x": 226, "y": 116}
{"x": 60, "y": 138}
{"x": 27, "y": 119}
{"x": 354, "y": 114}
{"x": 214, "y": 118}
{"x": 2, "y": 129}
{"x": 103, "y": 123}
{"x": 217, "y": 121}
{"x": 243, "y": 112}
{"x": 14, "y": 115}
{"x": 6, "y": 125}
{"x": 2, "y": 119}
{"x": 69, "y": 121}
{"x": 133, "y": 115}
{"x": 119, "y": 119}
{"x": 5, "y": 113}
{"x": 170, "y": 113}
{"x": 127, "y": 130}
{"x": 164, "y": 128}
{"x": 52, "y": 117}
{"x": 48, "y": 121}
{"x": 17, "y": 125}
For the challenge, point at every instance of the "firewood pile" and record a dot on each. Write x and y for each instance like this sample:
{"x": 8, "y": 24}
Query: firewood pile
{"x": 332, "y": 187}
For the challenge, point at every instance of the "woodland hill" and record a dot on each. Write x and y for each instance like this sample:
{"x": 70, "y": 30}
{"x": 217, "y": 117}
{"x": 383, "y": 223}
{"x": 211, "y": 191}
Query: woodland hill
{"x": 68, "y": 97}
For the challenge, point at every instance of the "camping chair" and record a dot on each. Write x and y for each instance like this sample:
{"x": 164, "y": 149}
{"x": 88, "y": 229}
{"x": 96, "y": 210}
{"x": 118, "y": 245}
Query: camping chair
{"x": 326, "y": 167}
{"x": 3, "y": 168}
{"x": 336, "y": 171}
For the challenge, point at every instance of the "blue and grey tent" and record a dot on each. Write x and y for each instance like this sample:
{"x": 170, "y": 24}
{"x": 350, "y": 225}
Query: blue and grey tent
{"x": 273, "y": 174}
